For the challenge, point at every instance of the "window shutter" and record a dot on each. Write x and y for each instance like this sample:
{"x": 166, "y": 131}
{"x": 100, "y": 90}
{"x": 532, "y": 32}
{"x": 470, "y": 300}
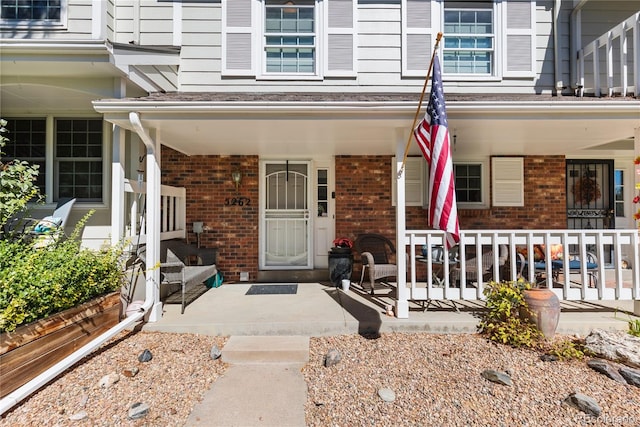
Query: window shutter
{"x": 519, "y": 40}
{"x": 417, "y": 36}
{"x": 414, "y": 181}
{"x": 507, "y": 181}
{"x": 238, "y": 40}
{"x": 340, "y": 39}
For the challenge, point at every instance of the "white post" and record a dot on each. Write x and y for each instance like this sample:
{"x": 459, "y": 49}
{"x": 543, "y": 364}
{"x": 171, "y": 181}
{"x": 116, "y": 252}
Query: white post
{"x": 117, "y": 185}
{"x": 636, "y": 180}
{"x": 402, "y": 301}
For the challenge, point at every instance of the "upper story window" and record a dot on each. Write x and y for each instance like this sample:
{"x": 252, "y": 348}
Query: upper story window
{"x": 483, "y": 40}
{"x": 290, "y": 37}
{"x": 470, "y": 41}
{"x": 33, "y": 12}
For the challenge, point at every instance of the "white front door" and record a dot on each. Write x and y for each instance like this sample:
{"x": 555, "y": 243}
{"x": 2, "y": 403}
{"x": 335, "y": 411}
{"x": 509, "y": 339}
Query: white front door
{"x": 285, "y": 215}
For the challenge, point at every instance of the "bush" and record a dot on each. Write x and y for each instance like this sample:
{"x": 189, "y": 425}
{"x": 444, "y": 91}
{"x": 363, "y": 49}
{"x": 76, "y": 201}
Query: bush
{"x": 506, "y": 320}
{"x": 36, "y": 283}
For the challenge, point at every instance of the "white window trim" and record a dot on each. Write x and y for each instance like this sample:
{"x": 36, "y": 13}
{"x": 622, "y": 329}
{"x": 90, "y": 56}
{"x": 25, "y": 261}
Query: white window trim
{"x": 259, "y": 52}
{"x": 39, "y": 24}
{"x": 484, "y": 186}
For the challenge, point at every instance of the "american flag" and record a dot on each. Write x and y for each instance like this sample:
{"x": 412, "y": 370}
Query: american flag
{"x": 432, "y": 134}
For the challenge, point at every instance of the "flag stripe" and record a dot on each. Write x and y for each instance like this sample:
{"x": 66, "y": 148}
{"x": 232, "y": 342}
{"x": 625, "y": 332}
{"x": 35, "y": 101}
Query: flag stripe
{"x": 432, "y": 135}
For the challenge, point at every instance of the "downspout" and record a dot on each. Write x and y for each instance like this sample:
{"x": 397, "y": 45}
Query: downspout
{"x": 575, "y": 38}
{"x": 556, "y": 49}
{"x": 21, "y": 393}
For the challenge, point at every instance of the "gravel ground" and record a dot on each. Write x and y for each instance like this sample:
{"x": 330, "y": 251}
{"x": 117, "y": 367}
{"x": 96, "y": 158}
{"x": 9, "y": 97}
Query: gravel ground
{"x": 175, "y": 379}
{"x": 436, "y": 380}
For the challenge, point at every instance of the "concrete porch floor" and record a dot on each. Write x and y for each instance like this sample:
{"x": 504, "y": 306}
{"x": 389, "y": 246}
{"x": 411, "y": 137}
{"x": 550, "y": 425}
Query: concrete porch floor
{"x": 319, "y": 309}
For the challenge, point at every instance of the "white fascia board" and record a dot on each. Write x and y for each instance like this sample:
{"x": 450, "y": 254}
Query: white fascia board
{"x": 50, "y": 47}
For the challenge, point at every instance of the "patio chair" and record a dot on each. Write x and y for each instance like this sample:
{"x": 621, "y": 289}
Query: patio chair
{"x": 472, "y": 274}
{"x": 43, "y": 231}
{"x": 375, "y": 252}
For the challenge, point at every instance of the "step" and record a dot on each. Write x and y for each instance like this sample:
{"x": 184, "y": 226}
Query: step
{"x": 266, "y": 349}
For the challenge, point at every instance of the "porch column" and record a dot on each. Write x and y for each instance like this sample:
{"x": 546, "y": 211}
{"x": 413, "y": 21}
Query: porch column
{"x": 636, "y": 180}
{"x": 152, "y": 288}
{"x": 402, "y": 301}
{"x": 117, "y": 185}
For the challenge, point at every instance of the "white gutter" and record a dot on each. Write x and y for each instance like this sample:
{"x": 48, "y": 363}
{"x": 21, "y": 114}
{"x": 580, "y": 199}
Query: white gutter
{"x": 16, "y": 396}
{"x": 41, "y": 380}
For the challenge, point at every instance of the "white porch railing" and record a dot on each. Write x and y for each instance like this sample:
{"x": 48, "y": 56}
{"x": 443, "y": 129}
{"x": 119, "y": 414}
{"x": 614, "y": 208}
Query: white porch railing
{"x": 621, "y": 72}
{"x": 173, "y": 208}
{"x": 612, "y": 249}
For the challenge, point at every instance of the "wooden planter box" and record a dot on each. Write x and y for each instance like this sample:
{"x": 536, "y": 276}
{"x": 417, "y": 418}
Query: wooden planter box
{"x": 32, "y": 349}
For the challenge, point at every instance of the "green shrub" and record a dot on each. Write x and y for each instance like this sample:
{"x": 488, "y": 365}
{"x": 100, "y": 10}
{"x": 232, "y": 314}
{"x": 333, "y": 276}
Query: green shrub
{"x": 567, "y": 349}
{"x": 35, "y": 283}
{"x": 506, "y": 320}
{"x": 634, "y": 327}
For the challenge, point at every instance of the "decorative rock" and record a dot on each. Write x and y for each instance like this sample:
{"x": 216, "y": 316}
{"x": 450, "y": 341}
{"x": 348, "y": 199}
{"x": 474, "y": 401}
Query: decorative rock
{"x": 108, "y": 380}
{"x": 138, "y": 410}
{"x": 145, "y": 356}
{"x": 79, "y": 416}
{"x": 549, "y": 358}
{"x": 131, "y": 372}
{"x": 332, "y": 358}
{"x": 617, "y": 346}
{"x": 631, "y": 375}
{"x": 605, "y": 368}
{"x": 584, "y": 403}
{"x": 497, "y": 377}
{"x": 83, "y": 400}
{"x": 387, "y": 394}
{"x": 215, "y": 352}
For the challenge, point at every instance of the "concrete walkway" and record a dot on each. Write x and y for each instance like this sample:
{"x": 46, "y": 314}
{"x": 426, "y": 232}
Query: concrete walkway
{"x": 269, "y": 340}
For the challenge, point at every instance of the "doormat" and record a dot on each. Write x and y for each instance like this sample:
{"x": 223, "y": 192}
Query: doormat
{"x": 279, "y": 289}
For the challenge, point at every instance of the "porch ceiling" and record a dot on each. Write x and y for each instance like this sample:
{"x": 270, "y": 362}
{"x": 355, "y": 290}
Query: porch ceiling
{"x": 305, "y": 130}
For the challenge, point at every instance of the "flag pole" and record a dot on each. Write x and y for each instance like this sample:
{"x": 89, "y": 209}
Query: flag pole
{"x": 415, "y": 117}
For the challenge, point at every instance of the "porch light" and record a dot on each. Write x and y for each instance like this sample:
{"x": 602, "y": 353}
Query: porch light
{"x": 236, "y": 176}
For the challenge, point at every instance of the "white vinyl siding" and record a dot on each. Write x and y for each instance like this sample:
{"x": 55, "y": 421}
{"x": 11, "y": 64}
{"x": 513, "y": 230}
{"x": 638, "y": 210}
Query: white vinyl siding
{"x": 340, "y": 41}
{"x": 519, "y": 39}
{"x": 507, "y": 181}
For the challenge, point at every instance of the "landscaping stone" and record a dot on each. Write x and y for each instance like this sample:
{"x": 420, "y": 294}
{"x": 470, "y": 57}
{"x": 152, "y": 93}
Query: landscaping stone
{"x": 138, "y": 410}
{"x": 616, "y": 346}
{"x": 145, "y": 356}
{"x": 333, "y": 357}
{"x": 387, "y": 394}
{"x": 78, "y": 416}
{"x": 497, "y": 377}
{"x": 584, "y": 403}
{"x": 108, "y": 380}
{"x": 131, "y": 372}
{"x": 632, "y": 376}
{"x": 602, "y": 366}
{"x": 215, "y": 352}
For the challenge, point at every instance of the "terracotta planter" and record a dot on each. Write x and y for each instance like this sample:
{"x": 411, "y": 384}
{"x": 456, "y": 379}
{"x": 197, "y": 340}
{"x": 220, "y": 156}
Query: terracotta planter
{"x": 544, "y": 307}
{"x": 32, "y": 349}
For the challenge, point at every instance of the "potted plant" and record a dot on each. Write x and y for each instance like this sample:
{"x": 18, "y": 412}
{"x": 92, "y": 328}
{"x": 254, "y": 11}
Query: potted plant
{"x": 342, "y": 245}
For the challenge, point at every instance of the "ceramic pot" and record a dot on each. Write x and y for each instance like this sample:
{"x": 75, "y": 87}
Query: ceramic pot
{"x": 544, "y": 307}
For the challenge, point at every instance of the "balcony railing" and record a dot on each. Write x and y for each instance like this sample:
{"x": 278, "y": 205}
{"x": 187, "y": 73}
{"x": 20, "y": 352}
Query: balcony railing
{"x": 173, "y": 209}
{"x": 605, "y": 263}
{"x": 611, "y": 64}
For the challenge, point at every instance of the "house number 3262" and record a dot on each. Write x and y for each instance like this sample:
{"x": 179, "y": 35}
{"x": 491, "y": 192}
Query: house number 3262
{"x": 237, "y": 201}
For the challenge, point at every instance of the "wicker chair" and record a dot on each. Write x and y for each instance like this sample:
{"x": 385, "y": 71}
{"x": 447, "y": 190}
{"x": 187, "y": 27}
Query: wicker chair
{"x": 376, "y": 253}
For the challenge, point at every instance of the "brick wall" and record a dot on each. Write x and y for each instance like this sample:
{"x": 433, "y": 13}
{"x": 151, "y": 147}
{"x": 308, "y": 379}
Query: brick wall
{"x": 232, "y": 228}
{"x": 363, "y": 202}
